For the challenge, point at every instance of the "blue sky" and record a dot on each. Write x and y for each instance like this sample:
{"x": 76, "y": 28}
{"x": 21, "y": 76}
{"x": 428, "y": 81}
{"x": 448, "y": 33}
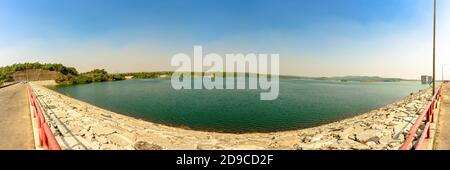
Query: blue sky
{"x": 390, "y": 38}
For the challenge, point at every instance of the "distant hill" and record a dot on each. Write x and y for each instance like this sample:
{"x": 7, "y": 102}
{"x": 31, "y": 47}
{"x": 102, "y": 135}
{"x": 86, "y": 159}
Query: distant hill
{"x": 143, "y": 75}
{"x": 348, "y": 78}
{"x": 69, "y": 75}
{"x": 362, "y": 79}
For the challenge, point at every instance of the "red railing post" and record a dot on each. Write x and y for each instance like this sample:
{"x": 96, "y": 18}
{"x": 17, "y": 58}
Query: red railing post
{"x": 432, "y": 114}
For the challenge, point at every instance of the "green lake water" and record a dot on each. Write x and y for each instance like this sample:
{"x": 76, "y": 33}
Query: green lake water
{"x": 301, "y": 103}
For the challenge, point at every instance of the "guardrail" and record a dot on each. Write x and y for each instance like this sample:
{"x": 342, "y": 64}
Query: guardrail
{"x": 46, "y": 138}
{"x": 426, "y": 117}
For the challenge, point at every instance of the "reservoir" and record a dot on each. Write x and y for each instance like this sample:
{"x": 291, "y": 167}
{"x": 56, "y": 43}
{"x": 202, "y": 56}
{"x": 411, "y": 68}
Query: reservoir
{"x": 300, "y": 104}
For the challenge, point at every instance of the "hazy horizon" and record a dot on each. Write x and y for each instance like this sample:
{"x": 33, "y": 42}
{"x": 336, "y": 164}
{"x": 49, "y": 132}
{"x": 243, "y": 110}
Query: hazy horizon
{"x": 321, "y": 38}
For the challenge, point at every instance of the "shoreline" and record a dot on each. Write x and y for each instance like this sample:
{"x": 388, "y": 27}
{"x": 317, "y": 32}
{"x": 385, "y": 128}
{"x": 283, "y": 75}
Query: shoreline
{"x": 381, "y": 128}
{"x": 52, "y": 85}
{"x": 216, "y": 131}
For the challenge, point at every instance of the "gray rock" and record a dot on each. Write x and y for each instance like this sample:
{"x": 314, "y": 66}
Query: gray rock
{"x": 98, "y": 130}
{"x": 369, "y": 135}
{"x": 119, "y": 139}
{"x": 316, "y": 145}
{"x": 208, "y": 147}
{"x": 101, "y": 139}
{"x": 397, "y": 129}
{"x": 106, "y": 115}
{"x": 307, "y": 139}
{"x": 395, "y": 145}
{"x": 142, "y": 145}
{"x": 360, "y": 147}
{"x": 316, "y": 138}
{"x": 108, "y": 147}
{"x": 371, "y": 143}
{"x": 378, "y": 127}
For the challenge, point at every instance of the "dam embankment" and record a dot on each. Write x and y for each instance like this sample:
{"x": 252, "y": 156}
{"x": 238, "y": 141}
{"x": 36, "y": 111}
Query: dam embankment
{"x": 79, "y": 125}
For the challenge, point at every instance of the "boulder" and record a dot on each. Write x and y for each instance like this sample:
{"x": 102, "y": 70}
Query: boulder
{"x": 347, "y": 134}
{"x": 316, "y": 145}
{"x": 119, "y": 139}
{"x": 395, "y": 145}
{"x": 316, "y": 138}
{"x": 411, "y": 107}
{"x": 378, "y": 127}
{"x": 143, "y": 145}
{"x": 371, "y": 143}
{"x": 108, "y": 147}
{"x": 360, "y": 147}
{"x": 369, "y": 135}
{"x": 307, "y": 139}
{"x": 101, "y": 139}
{"x": 99, "y": 130}
{"x": 241, "y": 147}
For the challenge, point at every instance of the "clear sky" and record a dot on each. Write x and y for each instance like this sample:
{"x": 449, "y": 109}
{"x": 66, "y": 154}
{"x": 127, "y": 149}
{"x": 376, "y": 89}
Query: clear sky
{"x": 389, "y": 38}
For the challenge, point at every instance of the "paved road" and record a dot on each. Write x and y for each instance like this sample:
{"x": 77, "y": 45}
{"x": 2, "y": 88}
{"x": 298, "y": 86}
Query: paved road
{"x": 16, "y": 132}
{"x": 442, "y": 141}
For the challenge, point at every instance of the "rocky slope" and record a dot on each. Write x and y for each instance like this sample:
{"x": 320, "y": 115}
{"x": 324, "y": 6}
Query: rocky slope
{"x": 35, "y": 75}
{"x": 78, "y": 125}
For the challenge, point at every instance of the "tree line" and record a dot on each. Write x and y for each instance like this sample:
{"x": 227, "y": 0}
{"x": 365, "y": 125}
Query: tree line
{"x": 69, "y": 74}
{"x": 7, "y": 71}
{"x": 97, "y": 75}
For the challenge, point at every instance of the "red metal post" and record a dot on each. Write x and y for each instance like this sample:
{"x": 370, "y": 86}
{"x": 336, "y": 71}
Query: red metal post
{"x": 421, "y": 139}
